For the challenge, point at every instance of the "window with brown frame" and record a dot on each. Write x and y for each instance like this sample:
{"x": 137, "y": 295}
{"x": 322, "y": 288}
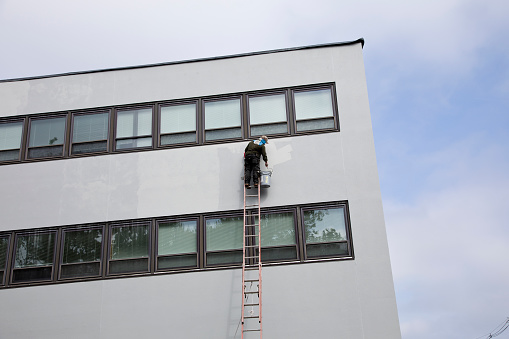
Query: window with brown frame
{"x": 81, "y": 252}
{"x": 326, "y": 231}
{"x": 34, "y": 256}
{"x": 47, "y": 137}
{"x": 177, "y": 244}
{"x": 4, "y": 246}
{"x": 134, "y": 128}
{"x": 178, "y": 124}
{"x": 90, "y": 132}
{"x": 11, "y": 136}
{"x": 129, "y": 250}
{"x": 314, "y": 109}
{"x": 223, "y": 239}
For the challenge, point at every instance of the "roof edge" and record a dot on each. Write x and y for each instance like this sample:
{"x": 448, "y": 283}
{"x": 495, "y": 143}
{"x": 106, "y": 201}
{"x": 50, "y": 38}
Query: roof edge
{"x": 333, "y": 44}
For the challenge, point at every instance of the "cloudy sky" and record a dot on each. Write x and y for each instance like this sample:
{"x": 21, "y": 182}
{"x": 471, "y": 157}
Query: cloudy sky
{"x": 438, "y": 80}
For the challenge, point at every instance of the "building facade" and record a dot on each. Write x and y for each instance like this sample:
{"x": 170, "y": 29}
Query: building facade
{"x": 122, "y": 198}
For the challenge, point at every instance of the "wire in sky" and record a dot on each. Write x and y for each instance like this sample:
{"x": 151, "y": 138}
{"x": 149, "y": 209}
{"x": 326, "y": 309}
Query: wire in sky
{"x": 497, "y": 331}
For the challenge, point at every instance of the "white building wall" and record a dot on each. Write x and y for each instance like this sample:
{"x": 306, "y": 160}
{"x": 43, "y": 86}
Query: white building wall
{"x": 334, "y": 299}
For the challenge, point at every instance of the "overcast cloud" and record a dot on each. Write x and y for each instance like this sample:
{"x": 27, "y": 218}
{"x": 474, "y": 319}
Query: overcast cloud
{"x": 438, "y": 80}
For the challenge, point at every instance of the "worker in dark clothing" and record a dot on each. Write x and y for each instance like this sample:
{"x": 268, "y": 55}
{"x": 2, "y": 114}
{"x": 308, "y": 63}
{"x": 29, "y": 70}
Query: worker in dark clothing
{"x": 252, "y": 160}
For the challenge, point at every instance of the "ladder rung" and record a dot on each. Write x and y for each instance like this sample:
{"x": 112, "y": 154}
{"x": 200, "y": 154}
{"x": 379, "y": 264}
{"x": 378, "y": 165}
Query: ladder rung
{"x": 254, "y": 205}
{"x": 252, "y": 316}
{"x": 252, "y": 257}
{"x": 251, "y": 235}
{"x": 246, "y": 305}
{"x": 251, "y": 331}
{"x": 252, "y": 195}
{"x": 250, "y": 292}
{"x": 251, "y": 246}
{"x": 251, "y": 225}
{"x": 250, "y": 280}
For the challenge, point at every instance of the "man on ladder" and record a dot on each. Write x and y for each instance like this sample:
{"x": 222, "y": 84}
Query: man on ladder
{"x": 252, "y": 160}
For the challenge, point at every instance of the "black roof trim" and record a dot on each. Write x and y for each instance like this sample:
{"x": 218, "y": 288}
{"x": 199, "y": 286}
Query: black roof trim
{"x": 334, "y": 44}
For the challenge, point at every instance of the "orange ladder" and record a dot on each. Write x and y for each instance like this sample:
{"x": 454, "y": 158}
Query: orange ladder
{"x": 251, "y": 266}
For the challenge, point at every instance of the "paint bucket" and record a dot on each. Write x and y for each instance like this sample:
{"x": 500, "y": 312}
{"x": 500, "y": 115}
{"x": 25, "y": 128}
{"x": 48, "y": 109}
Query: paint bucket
{"x": 265, "y": 178}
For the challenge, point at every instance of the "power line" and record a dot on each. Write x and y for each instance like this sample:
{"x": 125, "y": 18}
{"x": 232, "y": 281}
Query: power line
{"x": 497, "y": 331}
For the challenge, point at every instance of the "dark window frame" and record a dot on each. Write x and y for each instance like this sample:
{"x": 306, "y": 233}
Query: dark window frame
{"x": 108, "y": 132}
{"x": 23, "y": 121}
{"x": 348, "y": 230}
{"x": 335, "y": 109}
{"x": 296, "y": 246}
{"x": 65, "y": 143}
{"x": 206, "y": 253}
{"x": 4, "y": 265}
{"x": 109, "y": 260}
{"x": 153, "y": 131}
{"x": 13, "y": 269}
{"x": 288, "y": 120}
{"x": 159, "y": 119}
{"x": 65, "y": 230}
{"x": 157, "y": 256}
{"x": 204, "y": 130}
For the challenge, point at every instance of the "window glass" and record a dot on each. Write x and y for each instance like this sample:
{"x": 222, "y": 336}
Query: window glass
{"x": 46, "y": 137}
{"x": 129, "y": 242}
{"x": 34, "y": 257}
{"x": 278, "y": 229}
{"x": 46, "y": 132}
{"x": 81, "y": 253}
{"x": 325, "y": 225}
{"x": 222, "y": 119}
{"x": 10, "y": 140}
{"x": 178, "y": 124}
{"x": 224, "y": 233}
{"x": 4, "y": 245}
{"x": 134, "y": 128}
{"x": 177, "y": 237}
{"x": 268, "y": 111}
{"x": 129, "y": 250}
{"x": 90, "y": 133}
{"x": 278, "y": 236}
{"x": 315, "y": 104}
{"x": 177, "y": 244}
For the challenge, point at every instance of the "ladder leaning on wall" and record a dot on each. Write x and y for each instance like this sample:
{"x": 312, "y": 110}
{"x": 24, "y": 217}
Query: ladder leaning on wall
{"x": 251, "y": 266}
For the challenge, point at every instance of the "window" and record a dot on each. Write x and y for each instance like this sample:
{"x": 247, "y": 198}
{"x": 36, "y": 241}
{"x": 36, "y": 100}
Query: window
{"x": 46, "y": 138}
{"x": 10, "y": 140}
{"x": 278, "y": 236}
{"x": 81, "y": 253}
{"x": 90, "y": 133}
{"x": 224, "y": 240}
{"x": 134, "y": 128}
{"x": 178, "y": 124}
{"x": 129, "y": 248}
{"x": 177, "y": 244}
{"x": 325, "y": 232}
{"x": 314, "y": 109}
{"x": 223, "y": 119}
{"x": 33, "y": 258}
{"x": 267, "y": 114}
{"x": 4, "y": 246}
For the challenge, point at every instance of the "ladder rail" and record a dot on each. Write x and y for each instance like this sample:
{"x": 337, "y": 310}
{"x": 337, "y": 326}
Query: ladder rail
{"x": 248, "y": 247}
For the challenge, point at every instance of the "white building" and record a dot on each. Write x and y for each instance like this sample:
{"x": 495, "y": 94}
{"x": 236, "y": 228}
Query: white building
{"x": 121, "y": 200}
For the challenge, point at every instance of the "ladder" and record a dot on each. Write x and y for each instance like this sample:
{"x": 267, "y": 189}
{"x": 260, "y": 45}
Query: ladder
{"x": 251, "y": 266}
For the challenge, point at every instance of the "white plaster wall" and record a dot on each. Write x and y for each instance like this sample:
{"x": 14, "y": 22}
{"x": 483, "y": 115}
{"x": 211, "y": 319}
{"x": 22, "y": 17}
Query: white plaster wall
{"x": 342, "y": 299}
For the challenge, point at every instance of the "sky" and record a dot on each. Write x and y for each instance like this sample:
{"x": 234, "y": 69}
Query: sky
{"x": 438, "y": 82}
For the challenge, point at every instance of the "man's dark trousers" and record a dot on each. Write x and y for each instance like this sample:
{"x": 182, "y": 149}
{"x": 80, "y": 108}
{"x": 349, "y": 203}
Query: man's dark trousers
{"x": 251, "y": 165}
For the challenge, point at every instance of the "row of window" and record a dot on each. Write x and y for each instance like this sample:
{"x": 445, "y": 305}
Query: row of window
{"x": 281, "y": 112}
{"x": 288, "y": 234}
